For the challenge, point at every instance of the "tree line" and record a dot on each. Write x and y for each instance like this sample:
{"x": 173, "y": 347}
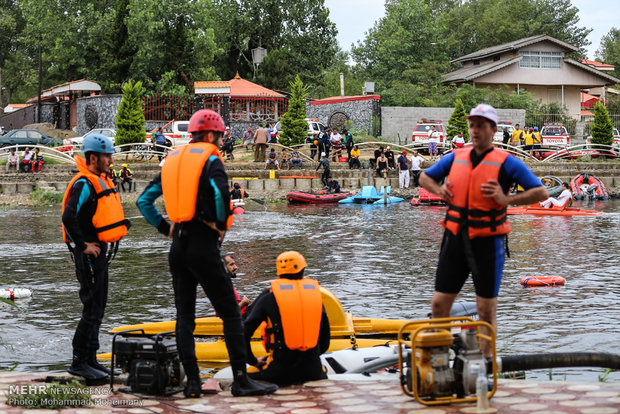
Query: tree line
{"x": 168, "y": 45}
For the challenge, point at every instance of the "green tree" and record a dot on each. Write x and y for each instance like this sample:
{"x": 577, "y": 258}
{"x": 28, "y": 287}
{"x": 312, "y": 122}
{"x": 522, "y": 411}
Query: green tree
{"x": 294, "y": 125}
{"x": 130, "y": 116}
{"x": 171, "y": 36}
{"x": 609, "y": 50}
{"x": 457, "y": 121}
{"x": 493, "y": 22}
{"x": 298, "y": 36}
{"x": 602, "y": 128}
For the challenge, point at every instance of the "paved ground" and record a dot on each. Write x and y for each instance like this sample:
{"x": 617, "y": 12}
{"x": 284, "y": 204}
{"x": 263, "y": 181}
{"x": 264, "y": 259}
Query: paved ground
{"x": 513, "y": 396}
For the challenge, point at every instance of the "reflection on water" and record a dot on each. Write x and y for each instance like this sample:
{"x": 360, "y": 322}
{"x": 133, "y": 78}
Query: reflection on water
{"x": 379, "y": 261}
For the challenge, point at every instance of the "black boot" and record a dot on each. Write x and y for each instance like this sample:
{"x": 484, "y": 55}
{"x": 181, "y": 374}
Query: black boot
{"x": 81, "y": 368}
{"x": 193, "y": 388}
{"x": 95, "y": 364}
{"x": 243, "y": 386}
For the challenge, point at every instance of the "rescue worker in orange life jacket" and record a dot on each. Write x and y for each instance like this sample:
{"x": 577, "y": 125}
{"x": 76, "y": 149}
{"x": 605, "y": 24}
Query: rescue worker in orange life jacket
{"x": 196, "y": 195}
{"x": 297, "y": 330}
{"x": 238, "y": 193}
{"x": 92, "y": 217}
{"x": 476, "y": 190}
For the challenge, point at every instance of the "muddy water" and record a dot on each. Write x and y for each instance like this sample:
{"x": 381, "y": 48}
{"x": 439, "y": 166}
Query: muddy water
{"x": 379, "y": 261}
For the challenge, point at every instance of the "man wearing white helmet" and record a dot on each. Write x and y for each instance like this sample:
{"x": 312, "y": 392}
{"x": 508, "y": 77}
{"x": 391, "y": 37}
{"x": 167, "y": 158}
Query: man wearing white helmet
{"x": 326, "y": 172}
{"x": 194, "y": 184}
{"x": 476, "y": 190}
{"x": 92, "y": 217}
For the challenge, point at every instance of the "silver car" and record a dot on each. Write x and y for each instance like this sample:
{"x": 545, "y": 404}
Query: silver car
{"x": 108, "y": 132}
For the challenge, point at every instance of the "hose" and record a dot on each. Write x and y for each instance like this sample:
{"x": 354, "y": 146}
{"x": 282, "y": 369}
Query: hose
{"x": 375, "y": 365}
{"x": 556, "y": 360}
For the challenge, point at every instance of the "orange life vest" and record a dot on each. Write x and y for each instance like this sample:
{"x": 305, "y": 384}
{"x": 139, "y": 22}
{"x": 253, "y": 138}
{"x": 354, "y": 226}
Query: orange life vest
{"x": 300, "y": 306}
{"x": 180, "y": 178}
{"x": 482, "y": 216}
{"x": 109, "y": 220}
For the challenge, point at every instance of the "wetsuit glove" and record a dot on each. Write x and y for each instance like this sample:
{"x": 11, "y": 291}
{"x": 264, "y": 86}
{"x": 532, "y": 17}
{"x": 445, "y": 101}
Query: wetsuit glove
{"x": 164, "y": 227}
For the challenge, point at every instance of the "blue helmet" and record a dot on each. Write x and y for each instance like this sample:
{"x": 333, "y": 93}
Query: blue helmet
{"x": 97, "y": 143}
{"x": 535, "y": 128}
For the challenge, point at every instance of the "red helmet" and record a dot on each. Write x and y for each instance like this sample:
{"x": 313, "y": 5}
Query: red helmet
{"x": 206, "y": 120}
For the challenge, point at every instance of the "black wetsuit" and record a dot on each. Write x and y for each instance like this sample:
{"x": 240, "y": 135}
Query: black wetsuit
{"x": 288, "y": 366}
{"x": 327, "y": 172}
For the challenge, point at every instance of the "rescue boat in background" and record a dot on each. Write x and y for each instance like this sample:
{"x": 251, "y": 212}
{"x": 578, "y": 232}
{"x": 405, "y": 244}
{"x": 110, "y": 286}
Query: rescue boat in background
{"x": 587, "y": 185}
{"x": 315, "y": 198}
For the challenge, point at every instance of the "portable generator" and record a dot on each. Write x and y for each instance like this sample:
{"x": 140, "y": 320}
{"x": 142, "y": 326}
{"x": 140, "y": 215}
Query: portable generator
{"x": 152, "y": 362}
{"x": 438, "y": 366}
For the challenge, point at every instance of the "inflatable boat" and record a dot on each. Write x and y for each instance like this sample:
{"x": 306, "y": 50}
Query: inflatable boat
{"x": 586, "y": 185}
{"x": 346, "y": 330}
{"x": 564, "y": 210}
{"x": 315, "y": 198}
{"x": 426, "y": 197}
{"x": 369, "y": 195}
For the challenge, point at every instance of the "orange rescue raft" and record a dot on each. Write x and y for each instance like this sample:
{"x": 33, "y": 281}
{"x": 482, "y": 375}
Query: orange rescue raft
{"x": 543, "y": 281}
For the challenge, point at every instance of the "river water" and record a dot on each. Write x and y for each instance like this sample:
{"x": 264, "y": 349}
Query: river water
{"x": 379, "y": 261}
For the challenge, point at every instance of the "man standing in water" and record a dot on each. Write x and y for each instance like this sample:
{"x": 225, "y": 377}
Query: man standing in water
{"x": 478, "y": 179}
{"x": 92, "y": 217}
{"x": 197, "y": 199}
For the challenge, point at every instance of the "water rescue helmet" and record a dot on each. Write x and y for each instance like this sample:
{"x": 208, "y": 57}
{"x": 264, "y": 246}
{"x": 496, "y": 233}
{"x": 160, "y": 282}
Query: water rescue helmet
{"x": 290, "y": 263}
{"x": 206, "y": 120}
{"x": 237, "y": 185}
{"x": 97, "y": 143}
{"x": 124, "y": 165}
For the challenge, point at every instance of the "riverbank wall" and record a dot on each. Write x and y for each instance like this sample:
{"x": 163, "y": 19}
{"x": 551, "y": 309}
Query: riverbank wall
{"x": 16, "y": 187}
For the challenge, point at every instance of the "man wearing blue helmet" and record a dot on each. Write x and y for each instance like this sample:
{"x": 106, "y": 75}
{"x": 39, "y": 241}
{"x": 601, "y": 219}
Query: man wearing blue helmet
{"x": 92, "y": 217}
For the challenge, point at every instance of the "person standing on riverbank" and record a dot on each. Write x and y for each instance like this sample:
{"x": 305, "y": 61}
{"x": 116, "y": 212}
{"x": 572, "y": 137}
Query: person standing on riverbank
{"x": 326, "y": 172}
{"x": 197, "y": 199}
{"x": 476, "y": 190}
{"x": 92, "y": 217}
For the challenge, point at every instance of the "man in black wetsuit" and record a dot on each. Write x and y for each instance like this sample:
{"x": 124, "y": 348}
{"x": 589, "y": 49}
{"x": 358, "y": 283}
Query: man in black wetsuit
{"x": 332, "y": 186}
{"x": 326, "y": 172}
{"x": 195, "y": 189}
{"x": 297, "y": 330}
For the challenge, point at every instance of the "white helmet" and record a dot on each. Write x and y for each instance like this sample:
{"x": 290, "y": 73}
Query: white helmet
{"x": 322, "y": 154}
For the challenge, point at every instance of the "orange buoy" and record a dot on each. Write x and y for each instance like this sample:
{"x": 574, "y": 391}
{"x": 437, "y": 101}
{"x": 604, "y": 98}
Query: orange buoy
{"x": 543, "y": 281}
{"x": 238, "y": 210}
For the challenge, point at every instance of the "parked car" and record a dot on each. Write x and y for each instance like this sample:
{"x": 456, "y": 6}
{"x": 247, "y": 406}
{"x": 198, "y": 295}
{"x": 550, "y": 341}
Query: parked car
{"x": 26, "y": 137}
{"x": 176, "y": 133}
{"x": 420, "y": 132}
{"x": 554, "y": 134}
{"x": 314, "y": 127}
{"x": 616, "y": 137}
{"x": 108, "y": 132}
{"x": 499, "y": 135}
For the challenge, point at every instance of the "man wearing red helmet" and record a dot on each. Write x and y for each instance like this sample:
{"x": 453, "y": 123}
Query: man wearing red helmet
{"x": 197, "y": 199}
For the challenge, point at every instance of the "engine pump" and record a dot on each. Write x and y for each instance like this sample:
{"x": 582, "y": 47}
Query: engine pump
{"x": 441, "y": 367}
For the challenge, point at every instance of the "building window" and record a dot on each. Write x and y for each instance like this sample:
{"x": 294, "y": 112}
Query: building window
{"x": 476, "y": 62}
{"x": 540, "y": 60}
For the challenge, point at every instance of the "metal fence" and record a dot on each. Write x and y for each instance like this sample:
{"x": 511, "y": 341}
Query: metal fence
{"x": 257, "y": 109}
{"x": 588, "y": 119}
{"x": 165, "y": 107}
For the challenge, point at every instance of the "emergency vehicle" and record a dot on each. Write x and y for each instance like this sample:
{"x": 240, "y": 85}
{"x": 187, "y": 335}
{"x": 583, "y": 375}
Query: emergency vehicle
{"x": 420, "y": 132}
{"x": 176, "y": 132}
{"x": 554, "y": 134}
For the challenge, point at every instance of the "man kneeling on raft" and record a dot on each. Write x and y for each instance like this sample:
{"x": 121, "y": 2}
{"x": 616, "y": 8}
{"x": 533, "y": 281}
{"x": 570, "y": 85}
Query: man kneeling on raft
{"x": 297, "y": 330}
